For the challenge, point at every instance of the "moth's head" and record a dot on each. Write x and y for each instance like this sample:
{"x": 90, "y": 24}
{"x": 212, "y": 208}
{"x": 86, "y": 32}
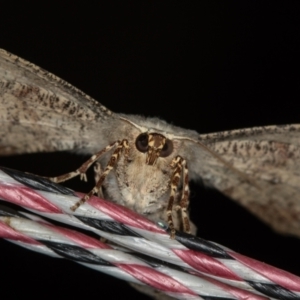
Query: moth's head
{"x": 155, "y": 145}
{"x": 158, "y": 139}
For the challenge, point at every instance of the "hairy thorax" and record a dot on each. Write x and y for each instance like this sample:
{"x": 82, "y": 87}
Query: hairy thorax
{"x": 141, "y": 187}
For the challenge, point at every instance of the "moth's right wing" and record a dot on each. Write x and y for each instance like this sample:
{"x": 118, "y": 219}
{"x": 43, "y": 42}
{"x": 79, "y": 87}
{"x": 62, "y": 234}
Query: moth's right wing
{"x": 257, "y": 167}
{"x": 40, "y": 112}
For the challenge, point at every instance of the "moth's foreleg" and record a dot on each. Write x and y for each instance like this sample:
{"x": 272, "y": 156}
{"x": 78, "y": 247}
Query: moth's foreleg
{"x": 184, "y": 202}
{"x": 85, "y": 166}
{"x": 175, "y": 181}
{"x": 179, "y": 164}
{"x": 121, "y": 146}
{"x": 97, "y": 173}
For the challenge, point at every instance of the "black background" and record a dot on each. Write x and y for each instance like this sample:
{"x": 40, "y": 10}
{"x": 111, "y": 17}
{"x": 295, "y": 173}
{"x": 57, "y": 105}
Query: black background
{"x": 204, "y": 65}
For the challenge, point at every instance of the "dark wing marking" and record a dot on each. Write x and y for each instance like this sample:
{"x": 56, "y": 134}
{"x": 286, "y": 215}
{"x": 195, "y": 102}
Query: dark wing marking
{"x": 41, "y": 112}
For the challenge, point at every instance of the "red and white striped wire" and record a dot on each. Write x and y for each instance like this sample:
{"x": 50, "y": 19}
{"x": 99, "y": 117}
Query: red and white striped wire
{"x": 194, "y": 268}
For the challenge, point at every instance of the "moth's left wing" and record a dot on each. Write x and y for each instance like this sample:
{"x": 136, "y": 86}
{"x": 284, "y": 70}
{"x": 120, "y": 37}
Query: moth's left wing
{"x": 41, "y": 112}
{"x": 258, "y": 167}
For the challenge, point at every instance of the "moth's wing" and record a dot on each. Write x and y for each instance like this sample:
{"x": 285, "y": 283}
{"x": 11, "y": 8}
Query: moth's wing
{"x": 258, "y": 167}
{"x": 41, "y": 112}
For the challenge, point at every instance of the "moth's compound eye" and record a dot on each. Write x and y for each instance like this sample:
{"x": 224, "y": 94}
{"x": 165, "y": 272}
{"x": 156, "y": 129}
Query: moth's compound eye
{"x": 167, "y": 149}
{"x": 141, "y": 142}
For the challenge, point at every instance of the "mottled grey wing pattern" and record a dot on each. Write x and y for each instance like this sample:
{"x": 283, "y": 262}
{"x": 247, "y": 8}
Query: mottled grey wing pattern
{"x": 41, "y": 112}
{"x": 259, "y": 168}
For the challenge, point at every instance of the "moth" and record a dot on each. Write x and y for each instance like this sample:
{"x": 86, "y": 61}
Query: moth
{"x": 146, "y": 163}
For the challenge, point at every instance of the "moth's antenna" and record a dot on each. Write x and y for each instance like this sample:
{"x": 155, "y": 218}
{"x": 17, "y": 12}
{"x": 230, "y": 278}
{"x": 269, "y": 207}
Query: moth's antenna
{"x": 141, "y": 128}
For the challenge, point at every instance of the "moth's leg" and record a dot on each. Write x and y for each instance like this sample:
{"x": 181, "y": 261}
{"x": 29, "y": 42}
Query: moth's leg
{"x": 175, "y": 181}
{"x": 84, "y": 167}
{"x": 123, "y": 146}
{"x": 184, "y": 202}
{"x": 97, "y": 173}
{"x": 179, "y": 164}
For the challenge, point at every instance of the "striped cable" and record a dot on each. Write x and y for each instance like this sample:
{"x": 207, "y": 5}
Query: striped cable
{"x": 198, "y": 269}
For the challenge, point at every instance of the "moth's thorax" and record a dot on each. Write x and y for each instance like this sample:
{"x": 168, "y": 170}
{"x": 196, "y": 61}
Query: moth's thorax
{"x": 139, "y": 185}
